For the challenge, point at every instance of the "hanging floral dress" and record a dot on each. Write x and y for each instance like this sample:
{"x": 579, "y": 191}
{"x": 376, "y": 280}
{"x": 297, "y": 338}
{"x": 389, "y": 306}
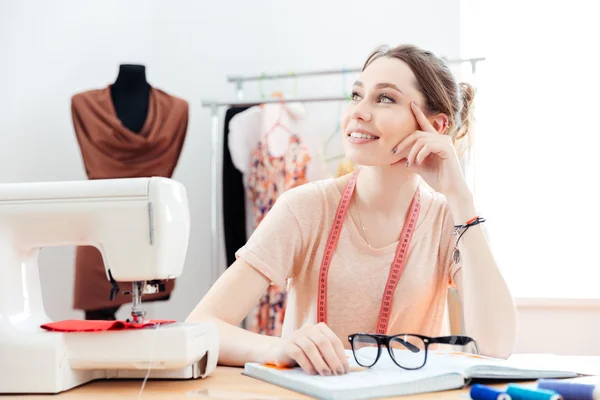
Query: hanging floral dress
{"x": 268, "y": 177}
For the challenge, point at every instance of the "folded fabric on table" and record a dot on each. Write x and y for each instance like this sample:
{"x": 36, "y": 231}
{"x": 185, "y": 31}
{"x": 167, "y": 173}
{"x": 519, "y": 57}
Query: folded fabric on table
{"x": 73, "y": 325}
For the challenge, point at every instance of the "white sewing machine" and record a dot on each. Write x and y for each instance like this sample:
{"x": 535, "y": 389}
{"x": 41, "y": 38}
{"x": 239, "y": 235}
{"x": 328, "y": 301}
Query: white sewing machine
{"x": 141, "y": 227}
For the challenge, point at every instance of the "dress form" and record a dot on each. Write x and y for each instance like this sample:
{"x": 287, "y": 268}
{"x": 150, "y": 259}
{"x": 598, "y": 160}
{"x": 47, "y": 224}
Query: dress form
{"x": 131, "y": 96}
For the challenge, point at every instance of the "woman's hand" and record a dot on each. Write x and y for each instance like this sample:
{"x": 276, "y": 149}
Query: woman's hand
{"x": 315, "y": 348}
{"x": 431, "y": 155}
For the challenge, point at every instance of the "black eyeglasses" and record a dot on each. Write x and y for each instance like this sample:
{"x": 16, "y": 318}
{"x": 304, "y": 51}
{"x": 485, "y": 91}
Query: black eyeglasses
{"x": 408, "y": 351}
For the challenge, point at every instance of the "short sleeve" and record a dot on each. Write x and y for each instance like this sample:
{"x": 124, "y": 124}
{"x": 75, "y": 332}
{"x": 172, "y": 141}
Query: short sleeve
{"x": 276, "y": 245}
{"x": 243, "y": 137}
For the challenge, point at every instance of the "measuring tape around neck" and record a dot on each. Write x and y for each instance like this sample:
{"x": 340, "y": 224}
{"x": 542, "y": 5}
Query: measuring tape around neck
{"x": 397, "y": 265}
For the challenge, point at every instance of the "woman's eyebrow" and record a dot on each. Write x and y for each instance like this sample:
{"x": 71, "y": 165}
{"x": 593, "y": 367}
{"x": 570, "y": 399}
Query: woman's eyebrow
{"x": 384, "y": 85}
{"x": 381, "y": 85}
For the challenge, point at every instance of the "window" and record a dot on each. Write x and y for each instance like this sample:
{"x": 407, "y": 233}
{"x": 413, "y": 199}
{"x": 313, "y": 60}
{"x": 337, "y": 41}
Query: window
{"x": 535, "y": 170}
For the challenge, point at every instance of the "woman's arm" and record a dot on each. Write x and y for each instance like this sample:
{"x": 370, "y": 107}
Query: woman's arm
{"x": 315, "y": 348}
{"x": 488, "y": 308}
{"x": 271, "y": 254}
{"x": 226, "y": 304}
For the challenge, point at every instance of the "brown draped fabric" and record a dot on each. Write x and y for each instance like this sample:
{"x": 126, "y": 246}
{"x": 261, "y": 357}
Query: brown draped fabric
{"x": 110, "y": 150}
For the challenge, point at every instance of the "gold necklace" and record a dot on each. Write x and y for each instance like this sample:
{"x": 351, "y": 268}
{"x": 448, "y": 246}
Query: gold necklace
{"x": 361, "y": 224}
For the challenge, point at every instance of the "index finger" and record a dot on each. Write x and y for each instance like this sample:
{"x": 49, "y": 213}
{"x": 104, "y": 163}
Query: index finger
{"x": 421, "y": 118}
{"x": 338, "y": 347}
{"x": 405, "y": 144}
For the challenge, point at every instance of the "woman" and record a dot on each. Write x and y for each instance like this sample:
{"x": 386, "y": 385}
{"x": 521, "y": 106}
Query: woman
{"x": 334, "y": 241}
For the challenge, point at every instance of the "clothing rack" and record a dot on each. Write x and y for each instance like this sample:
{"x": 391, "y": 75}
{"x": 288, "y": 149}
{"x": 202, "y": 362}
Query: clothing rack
{"x": 216, "y": 158}
{"x": 239, "y": 80}
{"x": 216, "y": 155}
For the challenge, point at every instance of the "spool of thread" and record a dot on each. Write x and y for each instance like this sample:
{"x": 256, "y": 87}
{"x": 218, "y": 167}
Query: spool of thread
{"x": 481, "y": 392}
{"x": 523, "y": 393}
{"x": 570, "y": 390}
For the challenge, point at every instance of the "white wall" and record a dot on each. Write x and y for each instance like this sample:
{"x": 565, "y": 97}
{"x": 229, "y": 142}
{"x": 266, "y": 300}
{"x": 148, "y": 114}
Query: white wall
{"x": 531, "y": 165}
{"x": 559, "y": 326}
{"x": 51, "y": 50}
{"x": 536, "y": 152}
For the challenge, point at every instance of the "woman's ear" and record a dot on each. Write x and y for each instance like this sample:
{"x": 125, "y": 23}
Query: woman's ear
{"x": 440, "y": 123}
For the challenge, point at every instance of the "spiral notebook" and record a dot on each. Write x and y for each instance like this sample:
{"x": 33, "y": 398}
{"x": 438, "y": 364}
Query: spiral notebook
{"x": 443, "y": 371}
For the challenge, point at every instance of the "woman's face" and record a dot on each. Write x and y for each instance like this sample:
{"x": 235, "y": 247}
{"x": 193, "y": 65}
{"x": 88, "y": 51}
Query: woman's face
{"x": 379, "y": 115}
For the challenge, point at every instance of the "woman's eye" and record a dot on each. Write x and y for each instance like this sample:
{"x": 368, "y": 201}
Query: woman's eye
{"x": 384, "y": 98}
{"x": 355, "y": 96}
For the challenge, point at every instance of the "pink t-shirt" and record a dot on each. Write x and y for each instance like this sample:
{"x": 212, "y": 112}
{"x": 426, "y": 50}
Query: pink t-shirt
{"x": 288, "y": 245}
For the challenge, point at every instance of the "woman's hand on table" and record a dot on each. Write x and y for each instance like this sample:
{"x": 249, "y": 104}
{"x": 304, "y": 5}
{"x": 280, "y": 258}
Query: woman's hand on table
{"x": 315, "y": 348}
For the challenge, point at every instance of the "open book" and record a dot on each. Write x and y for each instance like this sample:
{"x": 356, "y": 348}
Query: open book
{"x": 443, "y": 371}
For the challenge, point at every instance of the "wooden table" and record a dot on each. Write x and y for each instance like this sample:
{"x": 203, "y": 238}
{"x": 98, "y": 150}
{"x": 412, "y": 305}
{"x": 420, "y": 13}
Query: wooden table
{"x": 224, "y": 384}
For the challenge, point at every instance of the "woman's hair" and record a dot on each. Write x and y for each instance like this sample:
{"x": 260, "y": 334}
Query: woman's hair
{"x": 443, "y": 94}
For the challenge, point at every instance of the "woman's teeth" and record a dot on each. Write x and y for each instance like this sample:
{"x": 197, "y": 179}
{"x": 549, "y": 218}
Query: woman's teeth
{"x": 362, "y": 136}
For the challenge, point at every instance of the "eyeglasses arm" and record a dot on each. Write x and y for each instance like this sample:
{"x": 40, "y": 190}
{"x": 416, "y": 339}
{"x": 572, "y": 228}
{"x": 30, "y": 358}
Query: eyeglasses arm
{"x": 455, "y": 340}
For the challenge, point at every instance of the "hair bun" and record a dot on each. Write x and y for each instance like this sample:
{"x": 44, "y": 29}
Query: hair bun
{"x": 468, "y": 95}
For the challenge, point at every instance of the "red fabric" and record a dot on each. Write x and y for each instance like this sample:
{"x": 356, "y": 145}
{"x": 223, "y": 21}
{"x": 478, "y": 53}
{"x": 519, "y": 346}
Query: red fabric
{"x": 73, "y": 325}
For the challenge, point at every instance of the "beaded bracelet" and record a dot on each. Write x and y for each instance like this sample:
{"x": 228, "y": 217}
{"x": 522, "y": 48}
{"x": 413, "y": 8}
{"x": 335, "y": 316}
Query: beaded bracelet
{"x": 460, "y": 230}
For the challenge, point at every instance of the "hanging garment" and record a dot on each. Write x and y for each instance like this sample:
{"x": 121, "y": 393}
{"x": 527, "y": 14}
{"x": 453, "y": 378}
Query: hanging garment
{"x": 270, "y": 176}
{"x": 109, "y": 150}
{"x": 246, "y": 130}
{"x": 234, "y": 195}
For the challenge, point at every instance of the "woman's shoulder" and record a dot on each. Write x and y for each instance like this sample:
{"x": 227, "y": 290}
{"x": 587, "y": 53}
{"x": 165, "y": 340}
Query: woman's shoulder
{"x": 436, "y": 200}
{"x": 437, "y": 209}
{"x": 311, "y": 198}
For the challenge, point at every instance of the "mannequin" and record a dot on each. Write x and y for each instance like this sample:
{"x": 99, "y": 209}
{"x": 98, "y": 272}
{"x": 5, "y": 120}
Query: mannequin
{"x": 126, "y": 129}
{"x": 131, "y": 96}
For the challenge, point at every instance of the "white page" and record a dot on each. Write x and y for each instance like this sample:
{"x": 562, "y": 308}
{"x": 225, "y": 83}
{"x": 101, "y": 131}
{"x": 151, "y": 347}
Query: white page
{"x": 463, "y": 361}
{"x": 439, "y": 363}
{"x": 585, "y": 365}
{"x": 385, "y": 372}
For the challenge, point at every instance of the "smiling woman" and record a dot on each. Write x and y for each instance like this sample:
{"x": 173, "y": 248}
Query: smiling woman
{"x": 391, "y": 275}
{"x": 419, "y": 77}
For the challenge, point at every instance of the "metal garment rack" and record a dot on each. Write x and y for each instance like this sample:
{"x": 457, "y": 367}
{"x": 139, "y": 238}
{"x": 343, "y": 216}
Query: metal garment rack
{"x": 239, "y": 80}
{"x": 216, "y": 155}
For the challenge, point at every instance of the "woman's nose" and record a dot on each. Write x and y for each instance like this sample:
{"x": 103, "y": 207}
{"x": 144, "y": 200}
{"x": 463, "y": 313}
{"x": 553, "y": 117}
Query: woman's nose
{"x": 361, "y": 111}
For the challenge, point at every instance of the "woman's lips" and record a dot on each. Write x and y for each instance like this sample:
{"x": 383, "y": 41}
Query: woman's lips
{"x": 355, "y": 140}
{"x": 361, "y": 136}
